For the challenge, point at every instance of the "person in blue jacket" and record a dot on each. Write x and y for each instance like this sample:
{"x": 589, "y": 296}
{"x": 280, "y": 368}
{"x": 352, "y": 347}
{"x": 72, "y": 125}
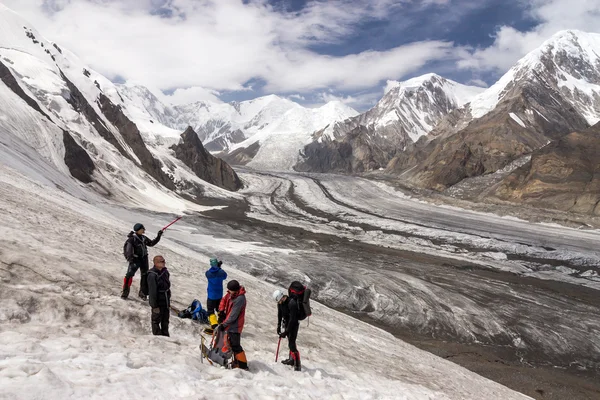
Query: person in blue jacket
{"x": 215, "y": 276}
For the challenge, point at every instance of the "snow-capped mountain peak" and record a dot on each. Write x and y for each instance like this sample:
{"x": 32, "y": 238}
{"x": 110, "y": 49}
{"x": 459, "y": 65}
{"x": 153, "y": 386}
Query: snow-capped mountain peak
{"x": 147, "y": 101}
{"x": 277, "y": 145}
{"x": 457, "y": 93}
{"x": 568, "y": 62}
{"x": 412, "y": 108}
{"x": 336, "y": 110}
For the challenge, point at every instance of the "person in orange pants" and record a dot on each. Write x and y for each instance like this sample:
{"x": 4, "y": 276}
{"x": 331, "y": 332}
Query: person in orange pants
{"x": 233, "y": 307}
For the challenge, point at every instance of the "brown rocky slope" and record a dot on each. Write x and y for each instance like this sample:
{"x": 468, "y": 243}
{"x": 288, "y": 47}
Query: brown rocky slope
{"x": 563, "y": 175}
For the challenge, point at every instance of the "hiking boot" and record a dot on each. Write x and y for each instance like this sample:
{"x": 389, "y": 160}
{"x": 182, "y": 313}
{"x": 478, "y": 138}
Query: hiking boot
{"x": 125, "y": 293}
{"x": 297, "y": 365}
{"x": 143, "y": 296}
{"x": 289, "y": 361}
{"x": 240, "y": 361}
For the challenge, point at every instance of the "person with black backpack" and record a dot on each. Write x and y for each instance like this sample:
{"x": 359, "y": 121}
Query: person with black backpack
{"x": 135, "y": 251}
{"x": 291, "y": 309}
{"x": 159, "y": 289}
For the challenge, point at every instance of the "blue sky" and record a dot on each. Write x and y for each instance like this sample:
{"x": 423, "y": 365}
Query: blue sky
{"x": 310, "y": 51}
{"x": 474, "y": 25}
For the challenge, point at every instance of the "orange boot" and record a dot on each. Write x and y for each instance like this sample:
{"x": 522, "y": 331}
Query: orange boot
{"x": 240, "y": 361}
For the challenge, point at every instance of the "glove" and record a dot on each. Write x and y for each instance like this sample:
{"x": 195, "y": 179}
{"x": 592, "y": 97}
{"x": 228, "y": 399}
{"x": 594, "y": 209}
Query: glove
{"x": 220, "y": 317}
{"x": 220, "y": 328}
{"x": 283, "y": 334}
{"x": 156, "y": 310}
{"x": 160, "y": 232}
{"x": 220, "y": 263}
{"x": 279, "y": 330}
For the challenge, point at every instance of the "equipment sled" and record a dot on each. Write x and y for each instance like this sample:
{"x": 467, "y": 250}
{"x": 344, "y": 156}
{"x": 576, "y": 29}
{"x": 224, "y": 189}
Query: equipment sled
{"x": 218, "y": 350}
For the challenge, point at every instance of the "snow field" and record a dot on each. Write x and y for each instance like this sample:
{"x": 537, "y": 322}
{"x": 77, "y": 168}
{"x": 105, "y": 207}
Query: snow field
{"x": 65, "y": 333}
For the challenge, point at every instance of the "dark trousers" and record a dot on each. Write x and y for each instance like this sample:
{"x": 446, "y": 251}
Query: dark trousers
{"x": 160, "y": 322}
{"x": 292, "y": 336}
{"x": 234, "y": 342}
{"x": 142, "y": 265}
{"x": 212, "y": 305}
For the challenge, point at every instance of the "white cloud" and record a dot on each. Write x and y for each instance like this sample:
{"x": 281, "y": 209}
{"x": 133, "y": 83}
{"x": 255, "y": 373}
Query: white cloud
{"x": 193, "y": 94}
{"x": 552, "y": 15}
{"x": 220, "y": 45}
{"x": 361, "y": 101}
{"x": 478, "y": 82}
{"x": 307, "y": 71}
{"x": 389, "y": 85}
{"x": 297, "y": 97}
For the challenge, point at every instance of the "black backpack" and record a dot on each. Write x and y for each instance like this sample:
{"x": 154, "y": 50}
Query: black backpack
{"x": 131, "y": 240}
{"x": 302, "y": 294}
{"x": 125, "y": 248}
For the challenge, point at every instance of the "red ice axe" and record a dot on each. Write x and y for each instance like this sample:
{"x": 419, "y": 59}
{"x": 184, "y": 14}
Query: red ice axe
{"x": 277, "y": 354}
{"x": 172, "y": 222}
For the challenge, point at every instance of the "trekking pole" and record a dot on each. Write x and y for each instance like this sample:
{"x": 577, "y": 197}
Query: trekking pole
{"x": 202, "y": 349}
{"x": 277, "y": 353}
{"x": 172, "y": 222}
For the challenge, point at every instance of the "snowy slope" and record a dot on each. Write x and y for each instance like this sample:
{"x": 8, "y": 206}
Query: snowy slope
{"x": 226, "y": 124}
{"x": 148, "y": 103}
{"x": 281, "y": 141}
{"x": 65, "y": 333}
{"x": 39, "y": 65}
{"x": 68, "y": 93}
{"x": 569, "y": 62}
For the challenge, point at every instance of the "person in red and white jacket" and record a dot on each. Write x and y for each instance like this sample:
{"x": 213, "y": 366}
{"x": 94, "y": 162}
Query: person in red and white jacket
{"x": 233, "y": 311}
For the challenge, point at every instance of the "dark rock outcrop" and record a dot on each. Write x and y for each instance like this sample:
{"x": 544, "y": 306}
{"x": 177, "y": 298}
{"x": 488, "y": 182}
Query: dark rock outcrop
{"x": 10, "y": 81}
{"x": 358, "y": 151}
{"x": 131, "y": 134}
{"x": 242, "y": 155}
{"x": 127, "y": 129}
{"x": 563, "y": 175}
{"x": 80, "y": 104}
{"x": 77, "y": 159}
{"x": 207, "y": 167}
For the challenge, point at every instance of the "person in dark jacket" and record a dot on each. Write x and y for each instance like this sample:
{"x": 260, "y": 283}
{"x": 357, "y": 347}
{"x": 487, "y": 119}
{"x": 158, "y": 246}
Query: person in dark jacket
{"x": 159, "y": 289}
{"x": 233, "y": 307}
{"x": 136, "y": 253}
{"x": 288, "y": 325}
{"x": 215, "y": 276}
